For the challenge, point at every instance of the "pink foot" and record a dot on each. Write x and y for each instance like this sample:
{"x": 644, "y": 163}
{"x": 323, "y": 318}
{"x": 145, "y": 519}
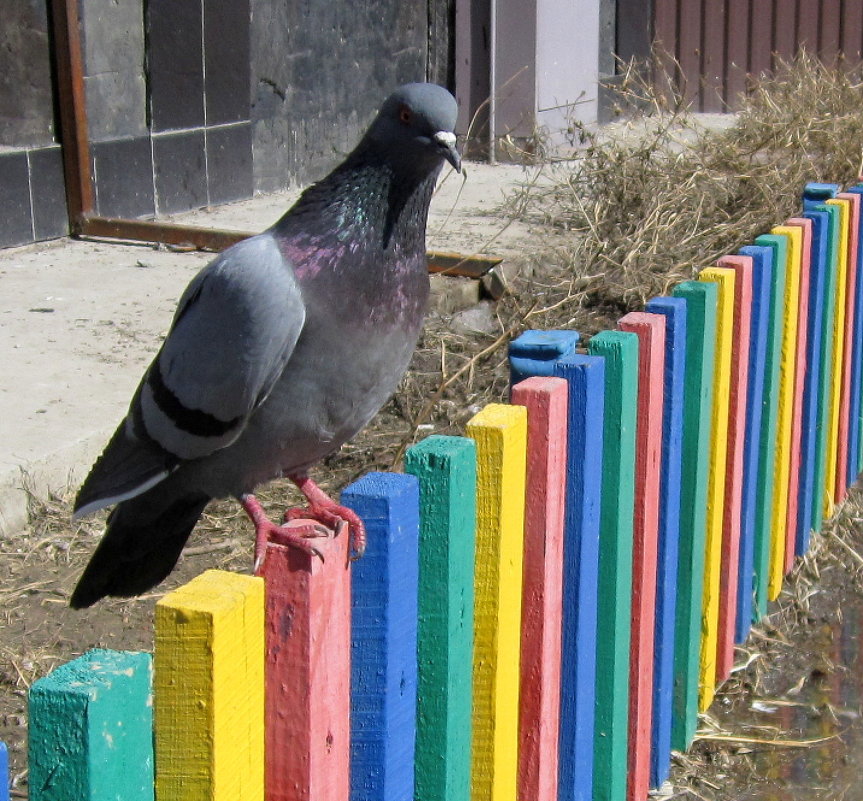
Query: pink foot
{"x": 295, "y": 533}
{"x": 325, "y": 510}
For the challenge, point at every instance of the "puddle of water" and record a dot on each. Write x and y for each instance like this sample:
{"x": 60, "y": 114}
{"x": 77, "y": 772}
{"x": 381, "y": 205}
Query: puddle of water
{"x": 827, "y": 706}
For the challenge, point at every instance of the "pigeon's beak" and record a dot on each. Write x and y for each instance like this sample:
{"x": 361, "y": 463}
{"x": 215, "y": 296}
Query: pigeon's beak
{"x": 446, "y": 141}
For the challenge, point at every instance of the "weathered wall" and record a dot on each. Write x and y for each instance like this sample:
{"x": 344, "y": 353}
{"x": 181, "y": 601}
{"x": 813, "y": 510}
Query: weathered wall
{"x": 204, "y": 101}
{"x": 319, "y": 70}
{"x": 32, "y": 201}
{"x": 26, "y": 110}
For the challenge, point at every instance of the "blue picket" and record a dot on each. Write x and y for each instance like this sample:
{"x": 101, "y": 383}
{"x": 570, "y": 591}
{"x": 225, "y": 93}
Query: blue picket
{"x": 384, "y": 637}
{"x": 674, "y": 310}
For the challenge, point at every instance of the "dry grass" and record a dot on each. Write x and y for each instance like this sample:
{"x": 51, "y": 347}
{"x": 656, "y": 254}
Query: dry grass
{"x": 654, "y": 200}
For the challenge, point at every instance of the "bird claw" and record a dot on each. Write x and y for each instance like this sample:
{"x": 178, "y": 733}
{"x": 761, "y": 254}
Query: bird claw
{"x": 335, "y": 518}
{"x": 296, "y": 533}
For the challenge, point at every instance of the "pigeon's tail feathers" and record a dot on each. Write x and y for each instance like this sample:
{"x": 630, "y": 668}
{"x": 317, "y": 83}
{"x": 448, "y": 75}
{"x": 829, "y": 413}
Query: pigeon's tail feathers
{"x": 127, "y": 467}
{"x": 141, "y": 545}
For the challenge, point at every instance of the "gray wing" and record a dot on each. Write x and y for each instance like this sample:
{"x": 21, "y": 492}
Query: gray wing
{"x": 233, "y": 333}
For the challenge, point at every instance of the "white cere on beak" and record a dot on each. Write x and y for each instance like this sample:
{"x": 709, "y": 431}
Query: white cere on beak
{"x": 445, "y": 138}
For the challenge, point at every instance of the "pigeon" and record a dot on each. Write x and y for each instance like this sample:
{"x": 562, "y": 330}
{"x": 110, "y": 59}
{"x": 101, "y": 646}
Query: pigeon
{"x": 281, "y": 349}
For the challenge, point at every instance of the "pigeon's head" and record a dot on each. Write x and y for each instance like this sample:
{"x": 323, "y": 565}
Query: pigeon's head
{"x": 416, "y": 123}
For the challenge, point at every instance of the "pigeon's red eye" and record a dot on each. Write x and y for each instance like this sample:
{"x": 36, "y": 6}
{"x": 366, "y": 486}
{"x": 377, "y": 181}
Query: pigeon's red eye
{"x": 405, "y": 115}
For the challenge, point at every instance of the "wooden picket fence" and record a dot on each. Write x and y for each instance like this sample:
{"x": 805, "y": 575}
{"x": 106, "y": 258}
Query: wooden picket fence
{"x": 546, "y": 603}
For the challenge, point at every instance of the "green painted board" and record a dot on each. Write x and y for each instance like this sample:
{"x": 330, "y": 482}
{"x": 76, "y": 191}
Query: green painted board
{"x": 769, "y": 421}
{"x": 824, "y": 389}
{"x": 91, "y": 729}
{"x": 446, "y": 469}
{"x": 701, "y": 305}
{"x": 620, "y": 351}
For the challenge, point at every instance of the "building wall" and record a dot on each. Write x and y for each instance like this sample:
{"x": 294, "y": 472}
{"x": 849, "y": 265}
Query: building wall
{"x": 203, "y": 101}
{"x": 32, "y": 200}
{"x": 718, "y": 43}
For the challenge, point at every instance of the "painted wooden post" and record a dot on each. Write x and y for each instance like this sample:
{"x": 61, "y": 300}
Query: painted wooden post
{"x": 815, "y": 193}
{"x": 500, "y": 433}
{"x": 674, "y": 311}
{"x": 810, "y": 499}
{"x": 825, "y": 390}
{"x": 762, "y": 282}
{"x": 209, "y": 689}
{"x": 541, "y": 610}
{"x": 650, "y": 330}
{"x": 91, "y": 730}
{"x": 4, "y": 772}
{"x": 585, "y": 377}
{"x": 776, "y": 381}
{"x": 804, "y": 238}
{"x": 734, "y": 471}
{"x": 384, "y": 637}
{"x": 446, "y": 470}
{"x": 701, "y": 304}
{"x": 536, "y": 352}
{"x": 307, "y": 681}
{"x": 855, "y": 440}
{"x": 837, "y": 356}
{"x": 620, "y": 350}
{"x": 855, "y": 445}
{"x": 782, "y": 495}
{"x": 725, "y": 281}
{"x": 846, "y": 439}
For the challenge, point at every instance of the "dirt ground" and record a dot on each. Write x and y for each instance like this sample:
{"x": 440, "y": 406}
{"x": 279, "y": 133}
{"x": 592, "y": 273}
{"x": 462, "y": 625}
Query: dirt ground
{"x": 460, "y": 364}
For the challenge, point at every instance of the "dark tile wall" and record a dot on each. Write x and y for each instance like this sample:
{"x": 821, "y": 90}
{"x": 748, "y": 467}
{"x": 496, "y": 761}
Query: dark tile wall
{"x": 50, "y": 218}
{"x": 319, "y": 72}
{"x": 17, "y": 225}
{"x": 113, "y": 46}
{"x": 175, "y": 64}
{"x": 32, "y": 196}
{"x": 229, "y": 163}
{"x": 26, "y": 104}
{"x": 181, "y": 171}
{"x": 227, "y": 56}
{"x": 123, "y": 173}
{"x": 201, "y": 101}
{"x": 199, "y": 73}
